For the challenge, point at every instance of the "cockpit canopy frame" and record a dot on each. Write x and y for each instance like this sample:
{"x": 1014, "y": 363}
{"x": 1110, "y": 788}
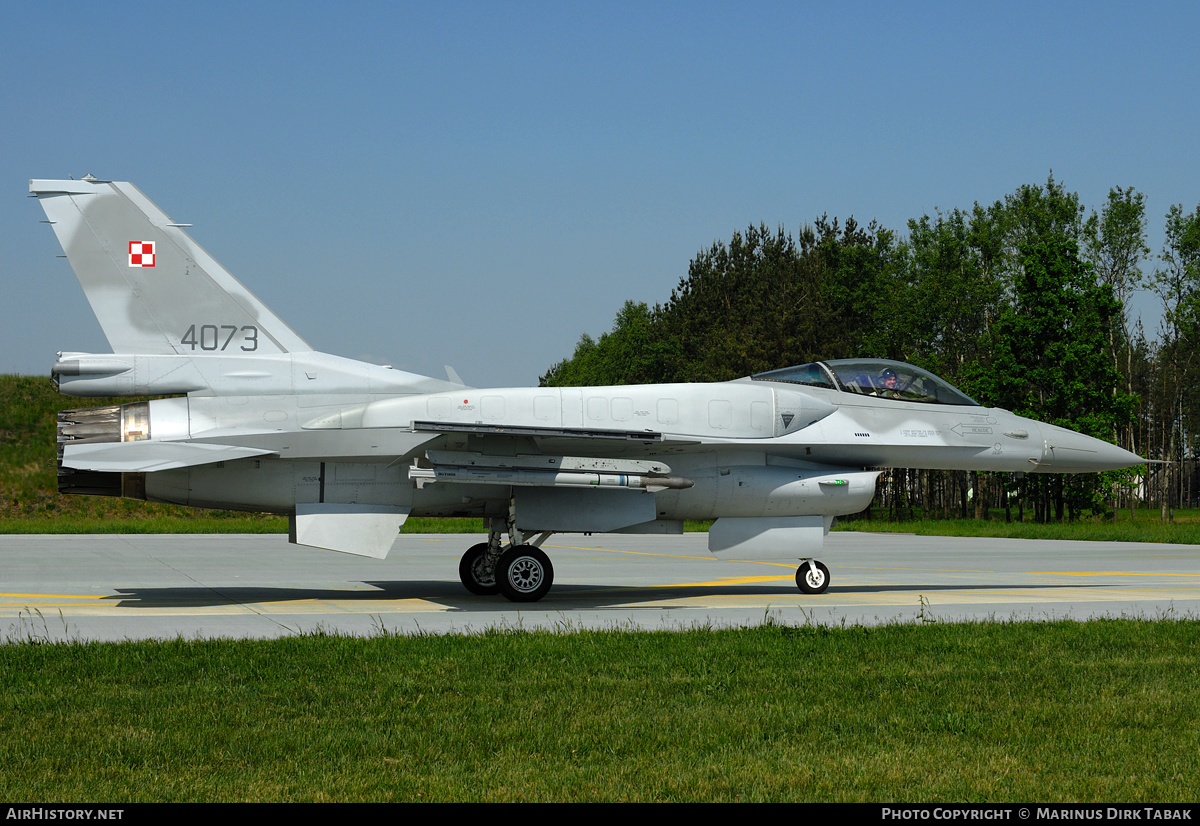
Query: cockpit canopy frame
{"x": 879, "y": 378}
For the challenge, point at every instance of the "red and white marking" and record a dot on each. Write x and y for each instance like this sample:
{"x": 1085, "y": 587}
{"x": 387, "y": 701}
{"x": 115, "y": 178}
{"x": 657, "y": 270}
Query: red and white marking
{"x": 141, "y": 253}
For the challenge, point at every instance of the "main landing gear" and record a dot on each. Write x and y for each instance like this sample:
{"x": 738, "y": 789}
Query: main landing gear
{"x": 812, "y": 577}
{"x": 477, "y": 572}
{"x": 521, "y": 572}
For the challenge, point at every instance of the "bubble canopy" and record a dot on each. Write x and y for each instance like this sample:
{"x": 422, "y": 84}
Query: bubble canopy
{"x": 880, "y": 378}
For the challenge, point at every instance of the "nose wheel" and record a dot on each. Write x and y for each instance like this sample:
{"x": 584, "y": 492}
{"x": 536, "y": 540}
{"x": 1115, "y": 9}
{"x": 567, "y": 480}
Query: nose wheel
{"x": 812, "y": 577}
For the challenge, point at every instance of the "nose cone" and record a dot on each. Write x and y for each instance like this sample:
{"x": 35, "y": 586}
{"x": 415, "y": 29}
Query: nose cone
{"x": 1066, "y": 451}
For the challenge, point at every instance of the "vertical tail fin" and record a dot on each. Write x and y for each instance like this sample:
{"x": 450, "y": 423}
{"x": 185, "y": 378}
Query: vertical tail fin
{"x": 153, "y": 289}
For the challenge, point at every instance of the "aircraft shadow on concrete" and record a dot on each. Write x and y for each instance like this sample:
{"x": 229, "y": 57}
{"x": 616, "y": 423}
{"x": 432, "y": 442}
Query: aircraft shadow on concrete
{"x": 452, "y": 596}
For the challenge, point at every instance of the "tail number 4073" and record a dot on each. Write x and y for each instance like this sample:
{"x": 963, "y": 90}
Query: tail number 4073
{"x": 216, "y": 337}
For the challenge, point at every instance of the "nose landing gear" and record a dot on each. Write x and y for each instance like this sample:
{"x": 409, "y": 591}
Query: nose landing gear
{"x": 812, "y": 577}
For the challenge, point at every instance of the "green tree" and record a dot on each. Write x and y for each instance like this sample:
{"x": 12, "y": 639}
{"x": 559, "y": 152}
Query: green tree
{"x": 759, "y": 302}
{"x": 743, "y": 307}
{"x": 1049, "y": 354}
{"x": 1033, "y": 214}
{"x": 952, "y": 292}
{"x": 861, "y": 285}
{"x": 1177, "y": 284}
{"x": 1114, "y": 241}
{"x": 634, "y": 352}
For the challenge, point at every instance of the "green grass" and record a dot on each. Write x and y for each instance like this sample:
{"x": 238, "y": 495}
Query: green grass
{"x": 1101, "y": 711}
{"x": 204, "y": 522}
{"x": 1144, "y": 527}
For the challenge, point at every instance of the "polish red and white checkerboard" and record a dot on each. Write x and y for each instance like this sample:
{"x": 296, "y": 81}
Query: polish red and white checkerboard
{"x": 141, "y": 253}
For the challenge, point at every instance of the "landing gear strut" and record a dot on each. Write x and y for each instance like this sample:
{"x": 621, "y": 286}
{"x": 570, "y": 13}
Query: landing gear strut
{"x": 812, "y": 577}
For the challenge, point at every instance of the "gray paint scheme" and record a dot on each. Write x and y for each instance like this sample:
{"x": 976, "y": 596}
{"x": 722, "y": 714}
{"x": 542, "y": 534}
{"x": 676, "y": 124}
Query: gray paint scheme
{"x": 348, "y": 450}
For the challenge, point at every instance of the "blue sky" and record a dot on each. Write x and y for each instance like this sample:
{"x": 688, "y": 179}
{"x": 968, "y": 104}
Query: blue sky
{"x": 477, "y": 184}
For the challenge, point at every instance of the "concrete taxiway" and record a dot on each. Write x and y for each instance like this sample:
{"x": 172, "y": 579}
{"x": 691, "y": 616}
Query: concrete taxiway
{"x": 115, "y": 587}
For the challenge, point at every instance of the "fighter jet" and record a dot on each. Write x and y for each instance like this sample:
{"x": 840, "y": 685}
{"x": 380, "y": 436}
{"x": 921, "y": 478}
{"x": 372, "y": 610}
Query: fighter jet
{"x": 349, "y": 450}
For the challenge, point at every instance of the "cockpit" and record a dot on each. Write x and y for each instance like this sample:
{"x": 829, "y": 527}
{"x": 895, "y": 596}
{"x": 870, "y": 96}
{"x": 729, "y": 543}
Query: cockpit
{"x": 880, "y": 378}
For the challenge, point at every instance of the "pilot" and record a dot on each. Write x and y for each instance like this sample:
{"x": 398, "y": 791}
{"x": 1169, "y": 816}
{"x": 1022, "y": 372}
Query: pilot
{"x": 890, "y": 382}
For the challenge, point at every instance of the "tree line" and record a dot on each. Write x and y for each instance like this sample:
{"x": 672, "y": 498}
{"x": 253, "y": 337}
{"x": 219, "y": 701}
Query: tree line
{"x": 1023, "y": 304}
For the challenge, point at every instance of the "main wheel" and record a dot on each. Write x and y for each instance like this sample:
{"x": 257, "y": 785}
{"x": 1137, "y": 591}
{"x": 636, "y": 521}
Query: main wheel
{"x": 524, "y": 574}
{"x": 472, "y": 570}
{"x": 810, "y": 581}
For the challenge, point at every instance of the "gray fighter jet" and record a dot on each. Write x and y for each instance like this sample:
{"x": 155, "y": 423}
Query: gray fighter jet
{"x": 348, "y": 450}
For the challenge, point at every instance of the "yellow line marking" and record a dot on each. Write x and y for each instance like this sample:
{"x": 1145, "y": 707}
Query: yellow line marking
{"x": 898, "y": 568}
{"x": 1109, "y": 573}
{"x": 56, "y": 596}
{"x": 733, "y": 580}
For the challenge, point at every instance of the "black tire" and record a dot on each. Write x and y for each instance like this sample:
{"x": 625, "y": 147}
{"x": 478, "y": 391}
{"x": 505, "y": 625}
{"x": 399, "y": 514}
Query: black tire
{"x": 524, "y": 574}
{"x": 473, "y": 578}
{"x": 809, "y": 583}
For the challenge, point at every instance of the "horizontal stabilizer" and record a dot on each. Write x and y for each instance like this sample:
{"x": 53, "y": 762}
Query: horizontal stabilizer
{"x": 363, "y": 445}
{"x": 362, "y": 530}
{"x": 144, "y": 457}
